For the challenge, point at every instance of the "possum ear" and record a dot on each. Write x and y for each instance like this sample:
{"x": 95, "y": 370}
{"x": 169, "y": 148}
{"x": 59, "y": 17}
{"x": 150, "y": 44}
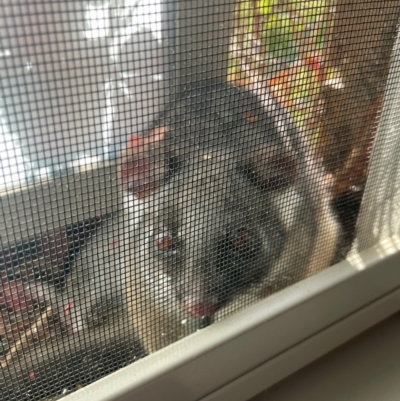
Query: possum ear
{"x": 142, "y": 166}
{"x": 270, "y": 167}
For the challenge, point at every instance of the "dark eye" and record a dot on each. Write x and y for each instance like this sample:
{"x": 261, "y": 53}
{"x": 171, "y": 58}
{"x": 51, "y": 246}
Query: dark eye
{"x": 165, "y": 242}
{"x": 241, "y": 241}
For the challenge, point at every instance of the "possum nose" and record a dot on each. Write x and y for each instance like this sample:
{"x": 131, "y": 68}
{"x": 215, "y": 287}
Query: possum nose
{"x": 198, "y": 308}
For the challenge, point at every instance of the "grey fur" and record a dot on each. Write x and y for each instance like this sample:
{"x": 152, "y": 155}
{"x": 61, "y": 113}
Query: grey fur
{"x": 207, "y": 197}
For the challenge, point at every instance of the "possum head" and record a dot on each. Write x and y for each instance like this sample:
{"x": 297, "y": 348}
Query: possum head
{"x": 211, "y": 226}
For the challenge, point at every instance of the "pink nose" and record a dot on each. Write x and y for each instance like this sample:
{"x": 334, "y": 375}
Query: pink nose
{"x": 201, "y": 308}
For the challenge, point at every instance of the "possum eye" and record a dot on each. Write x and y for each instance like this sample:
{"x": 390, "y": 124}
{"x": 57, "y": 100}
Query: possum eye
{"x": 241, "y": 241}
{"x": 164, "y": 241}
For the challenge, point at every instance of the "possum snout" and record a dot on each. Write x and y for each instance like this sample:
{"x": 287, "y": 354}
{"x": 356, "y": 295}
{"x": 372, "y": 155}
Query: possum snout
{"x": 198, "y": 294}
{"x": 201, "y": 307}
{"x": 222, "y": 267}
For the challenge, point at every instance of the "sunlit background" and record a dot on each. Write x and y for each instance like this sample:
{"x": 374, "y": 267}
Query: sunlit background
{"x": 77, "y": 79}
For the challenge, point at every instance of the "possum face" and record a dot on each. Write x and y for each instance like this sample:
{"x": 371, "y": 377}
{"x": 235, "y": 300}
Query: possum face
{"x": 208, "y": 175}
{"x": 209, "y": 236}
{"x": 212, "y": 228}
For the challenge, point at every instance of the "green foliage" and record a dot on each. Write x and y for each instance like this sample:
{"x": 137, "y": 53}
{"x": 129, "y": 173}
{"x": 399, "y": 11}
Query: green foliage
{"x": 283, "y": 41}
{"x": 266, "y": 7}
{"x": 279, "y": 36}
{"x": 246, "y": 16}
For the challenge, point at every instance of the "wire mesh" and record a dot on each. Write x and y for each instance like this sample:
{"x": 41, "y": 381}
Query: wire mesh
{"x": 166, "y": 164}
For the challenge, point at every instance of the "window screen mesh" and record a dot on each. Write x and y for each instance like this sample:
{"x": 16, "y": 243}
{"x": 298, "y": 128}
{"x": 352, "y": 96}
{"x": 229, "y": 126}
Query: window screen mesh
{"x": 165, "y": 164}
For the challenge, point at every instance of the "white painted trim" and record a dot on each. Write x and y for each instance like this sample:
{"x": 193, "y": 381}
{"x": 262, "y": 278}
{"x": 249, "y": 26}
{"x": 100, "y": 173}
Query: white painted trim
{"x": 273, "y": 371}
{"x": 380, "y": 210}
